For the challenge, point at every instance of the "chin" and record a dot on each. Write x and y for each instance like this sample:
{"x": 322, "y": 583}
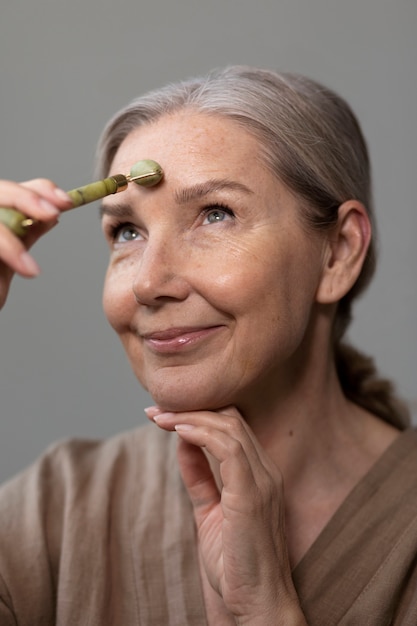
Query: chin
{"x": 183, "y": 405}
{"x": 187, "y": 389}
{"x": 180, "y": 399}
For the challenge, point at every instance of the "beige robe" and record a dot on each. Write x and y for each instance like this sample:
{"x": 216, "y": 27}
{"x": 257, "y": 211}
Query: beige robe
{"x": 102, "y": 533}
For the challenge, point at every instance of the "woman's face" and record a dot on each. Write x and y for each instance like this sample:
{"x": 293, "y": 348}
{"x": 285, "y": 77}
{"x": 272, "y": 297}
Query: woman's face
{"x": 212, "y": 279}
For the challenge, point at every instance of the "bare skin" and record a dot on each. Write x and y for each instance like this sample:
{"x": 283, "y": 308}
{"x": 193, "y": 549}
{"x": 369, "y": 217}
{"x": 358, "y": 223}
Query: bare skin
{"x": 40, "y": 199}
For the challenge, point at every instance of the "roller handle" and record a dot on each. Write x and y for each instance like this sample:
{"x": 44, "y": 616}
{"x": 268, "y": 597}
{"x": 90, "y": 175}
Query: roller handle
{"x": 19, "y": 223}
{"x": 146, "y": 173}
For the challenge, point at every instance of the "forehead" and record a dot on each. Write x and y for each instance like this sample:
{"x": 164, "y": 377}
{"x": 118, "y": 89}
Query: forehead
{"x": 191, "y": 142}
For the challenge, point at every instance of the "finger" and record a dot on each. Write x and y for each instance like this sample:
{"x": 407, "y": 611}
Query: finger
{"x": 228, "y": 421}
{"x": 235, "y": 423}
{"x": 239, "y": 467}
{"x": 15, "y": 256}
{"x": 248, "y": 463}
{"x": 152, "y": 411}
{"x": 198, "y": 480}
{"x": 26, "y": 200}
{"x": 51, "y": 192}
{"x": 263, "y": 456}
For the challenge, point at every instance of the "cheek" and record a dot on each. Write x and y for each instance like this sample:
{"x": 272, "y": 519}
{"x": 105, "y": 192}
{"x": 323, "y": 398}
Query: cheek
{"x": 118, "y": 298}
{"x": 280, "y": 291}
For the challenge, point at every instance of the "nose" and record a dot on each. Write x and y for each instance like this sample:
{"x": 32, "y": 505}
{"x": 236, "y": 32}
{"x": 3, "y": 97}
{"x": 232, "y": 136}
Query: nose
{"x": 160, "y": 273}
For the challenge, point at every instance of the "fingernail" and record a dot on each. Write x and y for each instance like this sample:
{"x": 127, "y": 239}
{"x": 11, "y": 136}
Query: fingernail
{"x": 183, "y": 427}
{"x": 30, "y": 264}
{"x": 163, "y": 417}
{"x": 62, "y": 195}
{"x": 49, "y": 208}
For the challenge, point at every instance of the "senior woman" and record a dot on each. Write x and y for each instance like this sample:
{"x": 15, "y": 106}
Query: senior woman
{"x": 289, "y": 494}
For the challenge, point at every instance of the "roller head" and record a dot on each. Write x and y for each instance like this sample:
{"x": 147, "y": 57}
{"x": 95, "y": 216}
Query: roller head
{"x": 146, "y": 173}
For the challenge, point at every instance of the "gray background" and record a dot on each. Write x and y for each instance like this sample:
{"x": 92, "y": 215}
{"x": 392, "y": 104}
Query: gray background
{"x": 67, "y": 66}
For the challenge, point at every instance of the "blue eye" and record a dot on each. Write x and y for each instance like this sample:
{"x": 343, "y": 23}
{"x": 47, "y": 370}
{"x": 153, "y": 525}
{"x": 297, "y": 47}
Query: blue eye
{"x": 124, "y": 233}
{"x": 215, "y": 214}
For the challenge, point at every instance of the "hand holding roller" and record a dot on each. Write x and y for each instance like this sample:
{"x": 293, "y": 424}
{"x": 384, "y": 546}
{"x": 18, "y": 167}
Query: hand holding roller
{"x": 146, "y": 173}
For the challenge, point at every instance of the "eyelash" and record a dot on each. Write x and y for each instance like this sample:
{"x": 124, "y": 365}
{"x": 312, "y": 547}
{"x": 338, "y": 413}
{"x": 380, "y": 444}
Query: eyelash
{"x": 114, "y": 229}
{"x": 218, "y": 206}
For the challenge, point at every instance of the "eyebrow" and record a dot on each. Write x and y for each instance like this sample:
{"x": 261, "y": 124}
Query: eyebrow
{"x": 195, "y": 192}
{"x": 181, "y": 196}
{"x": 121, "y": 210}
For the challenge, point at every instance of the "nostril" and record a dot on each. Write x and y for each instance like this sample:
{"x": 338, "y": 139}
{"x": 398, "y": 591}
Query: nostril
{"x": 160, "y": 289}
{"x": 160, "y": 272}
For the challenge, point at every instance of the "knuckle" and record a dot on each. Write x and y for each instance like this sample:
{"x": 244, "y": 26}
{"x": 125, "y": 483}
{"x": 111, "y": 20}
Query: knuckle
{"x": 234, "y": 425}
{"x": 269, "y": 490}
{"x": 37, "y": 181}
{"x": 235, "y": 447}
{"x": 38, "y": 186}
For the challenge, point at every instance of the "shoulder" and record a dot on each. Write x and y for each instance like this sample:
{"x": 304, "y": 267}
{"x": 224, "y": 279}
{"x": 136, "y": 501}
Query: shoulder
{"x": 401, "y": 458}
{"x": 85, "y": 464}
{"x": 79, "y": 479}
{"x": 84, "y": 457}
{"x": 58, "y": 517}
{"x": 364, "y": 563}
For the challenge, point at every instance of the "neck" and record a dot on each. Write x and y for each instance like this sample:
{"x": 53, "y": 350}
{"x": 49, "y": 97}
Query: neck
{"x": 308, "y": 426}
{"x": 321, "y": 442}
{"x": 323, "y": 445}
{"x": 301, "y": 419}
{"x": 302, "y": 398}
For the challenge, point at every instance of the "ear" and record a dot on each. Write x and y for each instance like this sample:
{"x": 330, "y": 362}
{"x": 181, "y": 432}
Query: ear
{"x": 345, "y": 252}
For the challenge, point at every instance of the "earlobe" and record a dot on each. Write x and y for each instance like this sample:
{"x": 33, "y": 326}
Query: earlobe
{"x": 345, "y": 252}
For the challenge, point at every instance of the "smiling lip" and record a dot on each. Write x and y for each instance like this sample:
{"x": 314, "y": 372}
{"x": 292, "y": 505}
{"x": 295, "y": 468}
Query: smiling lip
{"x": 175, "y": 339}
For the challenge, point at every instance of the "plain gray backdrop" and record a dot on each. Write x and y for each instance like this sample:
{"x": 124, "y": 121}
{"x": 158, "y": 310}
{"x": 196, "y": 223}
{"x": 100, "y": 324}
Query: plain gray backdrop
{"x": 67, "y": 66}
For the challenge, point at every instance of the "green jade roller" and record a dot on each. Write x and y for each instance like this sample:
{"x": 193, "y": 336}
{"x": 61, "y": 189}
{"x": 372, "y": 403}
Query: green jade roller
{"x": 146, "y": 173}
